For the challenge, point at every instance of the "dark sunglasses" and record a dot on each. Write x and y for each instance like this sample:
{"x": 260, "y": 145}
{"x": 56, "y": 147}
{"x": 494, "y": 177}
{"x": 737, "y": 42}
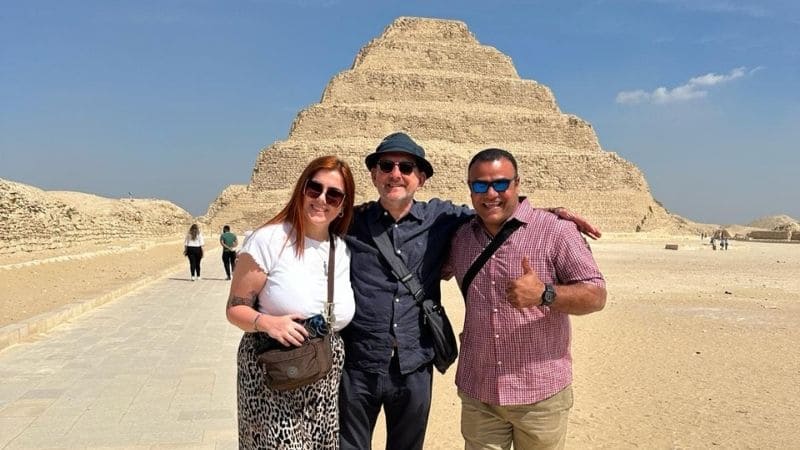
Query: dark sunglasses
{"x": 482, "y": 187}
{"x": 406, "y": 167}
{"x": 333, "y": 196}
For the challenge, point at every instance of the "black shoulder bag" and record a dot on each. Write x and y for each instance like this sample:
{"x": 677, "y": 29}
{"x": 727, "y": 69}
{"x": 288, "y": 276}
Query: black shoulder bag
{"x": 444, "y": 340}
{"x": 496, "y": 242}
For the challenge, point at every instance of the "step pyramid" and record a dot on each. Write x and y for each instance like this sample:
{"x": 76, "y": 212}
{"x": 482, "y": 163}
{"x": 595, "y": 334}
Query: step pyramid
{"x": 432, "y": 79}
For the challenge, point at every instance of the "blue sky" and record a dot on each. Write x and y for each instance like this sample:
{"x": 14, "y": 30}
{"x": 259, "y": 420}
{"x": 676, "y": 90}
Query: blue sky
{"x": 174, "y": 99}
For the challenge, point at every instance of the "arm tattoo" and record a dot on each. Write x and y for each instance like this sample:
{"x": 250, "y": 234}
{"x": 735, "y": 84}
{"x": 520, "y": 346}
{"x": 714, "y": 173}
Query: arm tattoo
{"x": 235, "y": 300}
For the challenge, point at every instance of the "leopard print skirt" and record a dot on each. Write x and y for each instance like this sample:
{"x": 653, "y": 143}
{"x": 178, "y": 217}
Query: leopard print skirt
{"x": 306, "y": 418}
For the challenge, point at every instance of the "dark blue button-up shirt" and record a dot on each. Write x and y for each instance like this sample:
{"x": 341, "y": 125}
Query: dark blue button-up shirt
{"x": 387, "y": 316}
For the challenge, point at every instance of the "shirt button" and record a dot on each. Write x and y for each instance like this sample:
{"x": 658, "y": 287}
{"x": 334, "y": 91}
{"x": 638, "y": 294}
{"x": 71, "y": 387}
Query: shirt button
{"x": 494, "y": 310}
{"x": 497, "y": 336}
{"x": 398, "y": 251}
{"x": 385, "y": 213}
{"x": 397, "y": 300}
{"x": 395, "y": 325}
{"x": 395, "y": 225}
{"x": 492, "y": 256}
{"x": 499, "y": 363}
{"x": 493, "y": 283}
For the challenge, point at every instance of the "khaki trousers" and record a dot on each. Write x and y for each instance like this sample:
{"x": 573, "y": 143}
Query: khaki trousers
{"x": 539, "y": 426}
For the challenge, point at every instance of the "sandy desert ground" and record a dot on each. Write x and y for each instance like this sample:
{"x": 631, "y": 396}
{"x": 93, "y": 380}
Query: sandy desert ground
{"x": 695, "y": 348}
{"x": 34, "y": 283}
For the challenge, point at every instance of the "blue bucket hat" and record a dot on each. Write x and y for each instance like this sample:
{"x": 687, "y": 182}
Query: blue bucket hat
{"x": 400, "y": 143}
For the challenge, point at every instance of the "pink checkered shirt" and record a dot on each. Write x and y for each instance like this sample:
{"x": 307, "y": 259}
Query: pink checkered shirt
{"x": 511, "y": 356}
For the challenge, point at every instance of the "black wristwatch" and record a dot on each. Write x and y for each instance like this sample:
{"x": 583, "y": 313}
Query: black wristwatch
{"x": 549, "y": 295}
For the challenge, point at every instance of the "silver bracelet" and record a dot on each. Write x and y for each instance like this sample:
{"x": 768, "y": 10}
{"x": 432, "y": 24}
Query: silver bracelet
{"x": 255, "y": 323}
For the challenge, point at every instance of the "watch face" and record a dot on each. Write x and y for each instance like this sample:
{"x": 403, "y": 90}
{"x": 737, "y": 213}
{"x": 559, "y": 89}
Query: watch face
{"x": 549, "y": 294}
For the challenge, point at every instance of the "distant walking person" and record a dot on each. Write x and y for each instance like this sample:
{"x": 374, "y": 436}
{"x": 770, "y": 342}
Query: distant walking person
{"x": 229, "y": 243}
{"x": 193, "y": 249}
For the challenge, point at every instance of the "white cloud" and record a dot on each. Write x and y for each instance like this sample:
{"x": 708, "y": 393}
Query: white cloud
{"x": 696, "y": 87}
{"x": 710, "y": 79}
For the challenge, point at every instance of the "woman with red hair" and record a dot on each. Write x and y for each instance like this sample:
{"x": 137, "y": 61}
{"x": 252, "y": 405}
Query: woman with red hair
{"x": 280, "y": 280}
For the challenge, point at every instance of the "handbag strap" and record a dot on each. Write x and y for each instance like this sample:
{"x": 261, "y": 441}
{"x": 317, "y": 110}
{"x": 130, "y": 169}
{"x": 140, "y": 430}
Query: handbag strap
{"x": 508, "y": 228}
{"x": 331, "y": 262}
{"x": 399, "y": 268}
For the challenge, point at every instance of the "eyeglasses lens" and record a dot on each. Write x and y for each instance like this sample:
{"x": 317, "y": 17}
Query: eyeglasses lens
{"x": 333, "y": 196}
{"x": 482, "y": 187}
{"x": 406, "y": 167}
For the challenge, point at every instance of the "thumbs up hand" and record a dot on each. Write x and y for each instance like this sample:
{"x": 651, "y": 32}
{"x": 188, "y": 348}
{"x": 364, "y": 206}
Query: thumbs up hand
{"x": 525, "y": 291}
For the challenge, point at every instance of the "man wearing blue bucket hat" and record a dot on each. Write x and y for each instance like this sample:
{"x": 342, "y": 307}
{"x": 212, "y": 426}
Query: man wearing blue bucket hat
{"x": 388, "y": 362}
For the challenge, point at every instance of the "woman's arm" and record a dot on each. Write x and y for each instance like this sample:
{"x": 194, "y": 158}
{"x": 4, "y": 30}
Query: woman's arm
{"x": 248, "y": 281}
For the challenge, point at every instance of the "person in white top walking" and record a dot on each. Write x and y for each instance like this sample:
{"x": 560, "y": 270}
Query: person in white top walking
{"x": 193, "y": 249}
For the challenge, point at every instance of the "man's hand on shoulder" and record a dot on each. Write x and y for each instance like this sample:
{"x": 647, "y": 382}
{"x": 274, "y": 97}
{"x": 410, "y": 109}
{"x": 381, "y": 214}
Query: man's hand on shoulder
{"x": 525, "y": 291}
{"x": 583, "y": 225}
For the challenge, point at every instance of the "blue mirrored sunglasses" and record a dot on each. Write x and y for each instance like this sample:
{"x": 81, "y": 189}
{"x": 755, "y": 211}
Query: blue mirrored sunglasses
{"x": 482, "y": 187}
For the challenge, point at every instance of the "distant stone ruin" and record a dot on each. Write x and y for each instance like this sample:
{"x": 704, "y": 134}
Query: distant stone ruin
{"x": 779, "y": 228}
{"x": 32, "y": 219}
{"x": 432, "y": 79}
{"x": 784, "y": 235}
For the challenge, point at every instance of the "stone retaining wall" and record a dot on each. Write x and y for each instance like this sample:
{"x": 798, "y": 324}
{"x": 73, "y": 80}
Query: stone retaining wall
{"x": 774, "y": 235}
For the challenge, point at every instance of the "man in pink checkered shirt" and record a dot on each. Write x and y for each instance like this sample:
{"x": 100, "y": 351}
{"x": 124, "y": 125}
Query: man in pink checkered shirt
{"x": 515, "y": 369}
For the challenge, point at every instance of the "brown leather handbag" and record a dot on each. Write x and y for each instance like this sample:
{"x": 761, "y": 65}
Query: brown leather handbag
{"x": 290, "y": 369}
{"x": 287, "y": 368}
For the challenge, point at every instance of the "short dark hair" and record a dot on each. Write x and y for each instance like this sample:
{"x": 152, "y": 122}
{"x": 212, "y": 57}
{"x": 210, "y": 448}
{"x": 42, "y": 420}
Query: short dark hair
{"x": 226, "y": 228}
{"x": 493, "y": 154}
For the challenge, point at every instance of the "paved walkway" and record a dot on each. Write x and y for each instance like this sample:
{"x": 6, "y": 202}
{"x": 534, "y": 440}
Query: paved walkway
{"x": 153, "y": 369}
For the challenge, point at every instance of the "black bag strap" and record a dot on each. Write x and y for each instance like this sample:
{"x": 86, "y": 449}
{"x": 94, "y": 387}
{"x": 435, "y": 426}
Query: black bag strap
{"x": 331, "y": 273}
{"x": 495, "y": 243}
{"x": 399, "y": 268}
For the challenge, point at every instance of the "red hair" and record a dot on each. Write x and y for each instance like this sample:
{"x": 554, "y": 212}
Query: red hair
{"x": 293, "y": 213}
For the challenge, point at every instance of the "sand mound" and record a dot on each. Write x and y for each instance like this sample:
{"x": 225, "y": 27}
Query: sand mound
{"x": 773, "y": 222}
{"x": 34, "y": 220}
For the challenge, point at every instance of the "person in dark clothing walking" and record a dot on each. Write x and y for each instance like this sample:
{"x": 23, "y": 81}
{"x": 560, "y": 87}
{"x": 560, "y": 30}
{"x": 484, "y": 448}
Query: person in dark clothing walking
{"x": 228, "y": 242}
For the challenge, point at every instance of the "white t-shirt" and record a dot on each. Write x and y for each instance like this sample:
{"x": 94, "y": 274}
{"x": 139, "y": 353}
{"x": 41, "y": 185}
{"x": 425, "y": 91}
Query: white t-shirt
{"x": 300, "y": 285}
{"x": 189, "y": 242}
